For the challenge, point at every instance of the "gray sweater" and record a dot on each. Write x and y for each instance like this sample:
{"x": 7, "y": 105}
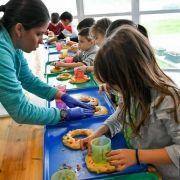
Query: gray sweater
{"x": 87, "y": 57}
{"x": 160, "y": 131}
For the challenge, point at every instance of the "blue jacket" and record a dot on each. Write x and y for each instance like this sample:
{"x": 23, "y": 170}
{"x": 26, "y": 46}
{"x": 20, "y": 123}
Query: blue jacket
{"x": 16, "y": 75}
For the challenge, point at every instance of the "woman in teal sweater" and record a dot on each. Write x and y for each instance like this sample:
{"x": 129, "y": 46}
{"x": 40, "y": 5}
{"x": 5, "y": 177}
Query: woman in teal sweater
{"x": 21, "y": 29}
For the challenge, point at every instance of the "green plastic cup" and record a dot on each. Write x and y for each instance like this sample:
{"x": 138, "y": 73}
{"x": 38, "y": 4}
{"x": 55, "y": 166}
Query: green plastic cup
{"x": 64, "y": 174}
{"x": 100, "y": 147}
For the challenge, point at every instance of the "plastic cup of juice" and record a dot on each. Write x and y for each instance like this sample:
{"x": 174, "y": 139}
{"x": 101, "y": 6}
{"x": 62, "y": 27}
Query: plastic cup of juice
{"x": 59, "y": 103}
{"x": 64, "y": 52}
{"x": 100, "y": 147}
{"x": 58, "y": 46}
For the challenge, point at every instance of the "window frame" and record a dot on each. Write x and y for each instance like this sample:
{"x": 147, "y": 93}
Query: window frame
{"x": 135, "y": 13}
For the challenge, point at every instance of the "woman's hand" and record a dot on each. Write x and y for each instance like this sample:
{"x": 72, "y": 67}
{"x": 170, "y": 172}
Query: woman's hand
{"x": 58, "y": 94}
{"x": 72, "y": 102}
{"x": 122, "y": 158}
{"x": 77, "y": 112}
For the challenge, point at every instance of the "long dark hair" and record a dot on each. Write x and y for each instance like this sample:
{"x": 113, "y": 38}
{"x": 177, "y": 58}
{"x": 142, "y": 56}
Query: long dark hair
{"x": 31, "y": 13}
{"x": 127, "y": 61}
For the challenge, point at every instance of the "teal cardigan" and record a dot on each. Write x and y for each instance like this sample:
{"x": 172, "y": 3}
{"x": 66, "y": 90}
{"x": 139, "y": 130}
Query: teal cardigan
{"x": 16, "y": 75}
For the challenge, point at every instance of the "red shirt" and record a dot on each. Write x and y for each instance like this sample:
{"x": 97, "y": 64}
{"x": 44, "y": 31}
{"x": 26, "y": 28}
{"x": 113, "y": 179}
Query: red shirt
{"x": 68, "y": 28}
{"x": 56, "y": 29}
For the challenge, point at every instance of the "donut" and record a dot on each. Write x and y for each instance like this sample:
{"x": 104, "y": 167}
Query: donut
{"x": 89, "y": 99}
{"x": 100, "y": 110}
{"x": 64, "y": 76}
{"x": 98, "y": 167}
{"x": 70, "y": 141}
{"x": 56, "y": 69}
{"x": 74, "y": 80}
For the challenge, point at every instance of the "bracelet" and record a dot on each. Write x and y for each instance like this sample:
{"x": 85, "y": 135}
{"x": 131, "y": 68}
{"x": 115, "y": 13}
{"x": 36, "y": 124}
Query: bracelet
{"x": 137, "y": 157}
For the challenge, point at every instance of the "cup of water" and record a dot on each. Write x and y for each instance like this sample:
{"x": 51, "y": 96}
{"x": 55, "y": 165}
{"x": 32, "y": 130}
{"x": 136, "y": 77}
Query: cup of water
{"x": 100, "y": 147}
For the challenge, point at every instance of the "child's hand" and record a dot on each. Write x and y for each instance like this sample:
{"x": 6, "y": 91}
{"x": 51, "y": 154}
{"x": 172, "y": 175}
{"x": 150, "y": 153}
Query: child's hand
{"x": 60, "y": 64}
{"x": 78, "y": 52}
{"x": 86, "y": 142}
{"x": 83, "y": 68}
{"x": 122, "y": 158}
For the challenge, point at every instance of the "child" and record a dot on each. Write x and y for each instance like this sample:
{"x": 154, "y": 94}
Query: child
{"x": 55, "y": 26}
{"x": 116, "y": 99}
{"x": 87, "y": 22}
{"x": 87, "y": 54}
{"x": 97, "y": 31}
{"x": 100, "y": 31}
{"x": 112, "y": 27}
{"x": 150, "y": 115}
{"x": 69, "y": 30}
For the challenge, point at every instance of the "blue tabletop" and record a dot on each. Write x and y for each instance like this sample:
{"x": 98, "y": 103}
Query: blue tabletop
{"x": 56, "y": 154}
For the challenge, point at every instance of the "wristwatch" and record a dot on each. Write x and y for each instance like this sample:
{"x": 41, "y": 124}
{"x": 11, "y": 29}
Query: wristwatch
{"x": 63, "y": 114}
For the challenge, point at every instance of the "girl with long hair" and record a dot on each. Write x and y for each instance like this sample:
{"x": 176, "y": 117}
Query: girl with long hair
{"x": 149, "y": 118}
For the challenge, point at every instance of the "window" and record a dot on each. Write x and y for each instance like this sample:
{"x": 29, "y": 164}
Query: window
{"x": 3, "y": 2}
{"x": 164, "y": 34}
{"x": 146, "y": 5}
{"x": 164, "y": 29}
{"x": 106, "y": 6}
{"x": 61, "y": 6}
